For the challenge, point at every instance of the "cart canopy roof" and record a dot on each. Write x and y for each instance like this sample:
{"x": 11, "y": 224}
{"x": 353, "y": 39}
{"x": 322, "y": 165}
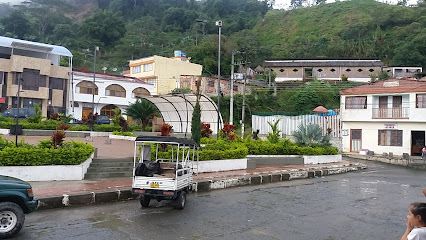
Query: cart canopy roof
{"x": 184, "y": 141}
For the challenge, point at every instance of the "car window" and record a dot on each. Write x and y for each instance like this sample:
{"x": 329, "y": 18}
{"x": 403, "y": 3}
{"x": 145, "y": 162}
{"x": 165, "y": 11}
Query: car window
{"x": 103, "y": 118}
{"x": 31, "y": 111}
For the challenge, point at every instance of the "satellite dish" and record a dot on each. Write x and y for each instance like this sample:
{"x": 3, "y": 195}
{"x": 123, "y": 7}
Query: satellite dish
{"x": 114, "y": 69}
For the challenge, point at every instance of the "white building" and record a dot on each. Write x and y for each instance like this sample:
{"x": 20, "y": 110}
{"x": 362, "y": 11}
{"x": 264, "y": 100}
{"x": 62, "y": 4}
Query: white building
{"x": 402, "y": 72}
{"x": 385, "y": 116}
{"x": 110, "y": 92}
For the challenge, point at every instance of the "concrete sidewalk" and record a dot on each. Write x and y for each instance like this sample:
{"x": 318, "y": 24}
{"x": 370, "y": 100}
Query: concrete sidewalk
{"x": 56, "y": 194}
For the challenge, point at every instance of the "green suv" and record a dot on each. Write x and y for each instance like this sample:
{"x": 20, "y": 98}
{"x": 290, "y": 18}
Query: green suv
{"x": 16, "y": 200}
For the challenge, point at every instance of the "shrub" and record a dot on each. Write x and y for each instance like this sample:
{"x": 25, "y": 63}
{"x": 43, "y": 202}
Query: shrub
{"x": 228, "y": 131}
{"x": 64, "y": 127}
{"x": 123, "y": 133}
{"x": 72, "y": 153}
{"x": 275, "y": 136}
{"x": 58, "y": 138}
{"x": 106, "y": 128}
{"x": 206, "y": 132}
{"x": 79, "y": 128}
{"x": 165, "y": 129}
{"x": 308, "y": 135}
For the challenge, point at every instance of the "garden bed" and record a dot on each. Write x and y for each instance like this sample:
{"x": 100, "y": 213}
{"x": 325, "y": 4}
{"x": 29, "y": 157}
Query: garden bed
{"x": 49, "y": 172}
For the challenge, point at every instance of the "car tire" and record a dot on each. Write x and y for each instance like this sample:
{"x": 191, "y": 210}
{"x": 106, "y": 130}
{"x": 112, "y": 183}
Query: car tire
{"x": 144, "y": 201}
{"x": 180, "y": 200}
{"x": 12, "y": 219}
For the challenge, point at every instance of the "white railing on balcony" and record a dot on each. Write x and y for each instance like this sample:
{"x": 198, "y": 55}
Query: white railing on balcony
{"x": 396, "y": 113}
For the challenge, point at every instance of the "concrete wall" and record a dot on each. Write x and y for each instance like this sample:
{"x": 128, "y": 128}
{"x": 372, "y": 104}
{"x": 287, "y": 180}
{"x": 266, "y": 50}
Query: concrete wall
{"x": 48, "y": 173}
{"x": 370, "y": 136}
{"x": 222, "y": 165}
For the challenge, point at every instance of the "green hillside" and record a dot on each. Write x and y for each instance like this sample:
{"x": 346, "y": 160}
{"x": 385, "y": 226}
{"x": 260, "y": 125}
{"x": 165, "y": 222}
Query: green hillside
{"x": 353, "y": 29}
{"x": 126, "y": 29}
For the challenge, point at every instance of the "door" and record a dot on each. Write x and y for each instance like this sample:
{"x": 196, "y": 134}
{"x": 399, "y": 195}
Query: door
{"x": 383, "y": 107}
{"x": 417, "y": 142}
{"x": 356, "y": 143}
{"x": 85, "y": 112}
{"x": 397, "y": 107}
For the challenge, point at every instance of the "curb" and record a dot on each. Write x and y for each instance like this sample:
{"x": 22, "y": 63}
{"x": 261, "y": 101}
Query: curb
{"x": 200, "y": 186}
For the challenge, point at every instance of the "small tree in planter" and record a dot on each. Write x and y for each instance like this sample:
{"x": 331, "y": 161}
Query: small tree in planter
{"x": 58, "y": 138}
{"x": 274, "y": 137}
{"x": 165, "y": 130}
{"x": 228, "y": 131}
{"x": 205, "y": 130}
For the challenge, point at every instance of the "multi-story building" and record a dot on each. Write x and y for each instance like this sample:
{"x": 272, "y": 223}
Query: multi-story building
{"x": 36, "y": 67}
{"x": 384, "y": 116}
{"x": 164, "y": 73}
{"x": 323, "y": 69}
{"x": 208, "y": 85}
{"x": 104, "y": 94}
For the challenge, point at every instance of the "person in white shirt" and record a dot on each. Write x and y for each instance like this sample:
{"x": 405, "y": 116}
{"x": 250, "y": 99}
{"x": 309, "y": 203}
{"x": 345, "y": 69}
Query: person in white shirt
{"x": 416, "y": 218}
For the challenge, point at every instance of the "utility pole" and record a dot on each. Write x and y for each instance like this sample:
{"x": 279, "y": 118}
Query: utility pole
{"x": 18, "y": 105}
{"x": 93, "y": 89}
{"x": 219, "y": 24}
{"x": 244, "y": 97}
{"x": 231, "y": 104}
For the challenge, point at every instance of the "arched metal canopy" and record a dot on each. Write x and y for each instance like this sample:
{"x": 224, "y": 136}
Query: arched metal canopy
{"x": 177, "y": 109}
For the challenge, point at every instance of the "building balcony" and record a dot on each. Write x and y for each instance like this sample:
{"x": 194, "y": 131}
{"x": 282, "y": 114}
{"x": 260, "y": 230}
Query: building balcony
{"x": 391, "y": 113}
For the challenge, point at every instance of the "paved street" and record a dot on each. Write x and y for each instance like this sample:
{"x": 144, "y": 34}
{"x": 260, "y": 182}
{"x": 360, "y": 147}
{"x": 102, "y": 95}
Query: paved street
{"x": 368, "y": 204}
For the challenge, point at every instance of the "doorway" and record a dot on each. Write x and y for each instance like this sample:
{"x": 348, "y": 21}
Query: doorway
{"x": 356, "y": 142}
{"x": 417, "y": 142}
{"x": 86, "y": 112}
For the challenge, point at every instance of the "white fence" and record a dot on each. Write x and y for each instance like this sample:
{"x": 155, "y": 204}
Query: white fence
{"x": 288, "y": 124}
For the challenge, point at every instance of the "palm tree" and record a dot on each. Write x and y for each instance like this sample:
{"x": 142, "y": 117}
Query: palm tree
{"x": 142, "y": 109}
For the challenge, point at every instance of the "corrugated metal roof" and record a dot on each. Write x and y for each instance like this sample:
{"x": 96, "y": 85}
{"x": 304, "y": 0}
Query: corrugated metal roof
{"x": 387, "y": 86}
{"x": 322, "y": 63}
{"x": 34, "y": 46}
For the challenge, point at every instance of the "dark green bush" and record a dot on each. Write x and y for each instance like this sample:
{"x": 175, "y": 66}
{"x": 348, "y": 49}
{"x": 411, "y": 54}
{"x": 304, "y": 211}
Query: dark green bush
{"x": 106, "y": 128}
{"x": 79, "y": 128}
{"x": 123, "y": 133}
{"x": 72, "y": 153}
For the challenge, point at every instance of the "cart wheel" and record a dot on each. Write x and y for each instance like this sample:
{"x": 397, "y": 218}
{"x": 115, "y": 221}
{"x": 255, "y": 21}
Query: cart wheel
{"x": 144, "y": 200}
{"x": 180, "y": 200}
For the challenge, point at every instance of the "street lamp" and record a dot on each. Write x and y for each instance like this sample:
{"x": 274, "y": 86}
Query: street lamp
{"x": 93, "y": 87}
{"x": 219, "y": 24}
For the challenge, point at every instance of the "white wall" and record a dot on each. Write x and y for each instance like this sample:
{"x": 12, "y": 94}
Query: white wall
{"x": 101, "y": 99}
{"x": 370, "y": 136}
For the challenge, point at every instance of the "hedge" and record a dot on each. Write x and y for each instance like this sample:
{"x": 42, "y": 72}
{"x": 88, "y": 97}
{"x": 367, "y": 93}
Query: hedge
{"x": 72, "y": 153}
{"x": 285, "y": 147}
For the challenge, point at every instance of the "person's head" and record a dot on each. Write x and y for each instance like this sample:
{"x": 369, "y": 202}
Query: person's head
{"x": 417, "y": 214}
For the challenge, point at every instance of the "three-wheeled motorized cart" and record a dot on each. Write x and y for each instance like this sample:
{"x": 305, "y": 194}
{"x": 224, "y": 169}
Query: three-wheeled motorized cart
{"x": 164, "y": 178}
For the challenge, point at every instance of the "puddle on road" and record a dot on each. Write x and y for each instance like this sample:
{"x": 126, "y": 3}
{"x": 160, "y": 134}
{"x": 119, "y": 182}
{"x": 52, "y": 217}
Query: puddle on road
{"x": 108, "y": 221}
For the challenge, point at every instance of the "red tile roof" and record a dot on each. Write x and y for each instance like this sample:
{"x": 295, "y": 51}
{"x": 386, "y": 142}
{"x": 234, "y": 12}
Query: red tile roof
{"x": 388, "y": 86}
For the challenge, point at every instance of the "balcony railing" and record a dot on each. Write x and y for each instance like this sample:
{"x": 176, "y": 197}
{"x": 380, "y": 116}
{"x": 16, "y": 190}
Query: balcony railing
{"x": 395, "y": 113}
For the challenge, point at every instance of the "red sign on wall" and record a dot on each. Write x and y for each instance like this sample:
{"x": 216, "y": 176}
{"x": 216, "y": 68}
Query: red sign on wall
{"x": 2, "y": 100}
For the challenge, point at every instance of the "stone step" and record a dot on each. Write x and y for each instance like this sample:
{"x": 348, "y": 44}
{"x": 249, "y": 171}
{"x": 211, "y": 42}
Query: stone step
{"x": 110, "y": 169}
{"x": 107, "y": 160}
{"x": 108, "y": 175}
{"x": 111, "y": 164}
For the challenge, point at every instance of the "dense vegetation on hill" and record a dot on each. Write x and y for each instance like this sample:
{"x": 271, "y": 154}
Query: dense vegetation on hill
{"x": 126, "y": 29}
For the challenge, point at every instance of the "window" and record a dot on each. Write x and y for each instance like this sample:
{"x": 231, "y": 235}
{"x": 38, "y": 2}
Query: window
{"x": 30, "y": 79}
{"x": 421, "y": 101}
{"x": 319, "y": 70}
{"x": 371, "y": 70}
{"x": 356, "y": 102}
{"x": 86, "y": 87}
{"x": 147, "y": 67}
{"x": 295, "y": 70}
{"x": 332, "y": 70}
{"x": 3, "y": 77}
{"x": 56, "y": 83}
{"x": 281, "y": 70}
{"x": 152, "y": 81}
{"x": 390, "y": 137}
{"x": 137, "y": 69}
{"x": 235, "y": 88}
{"x": 359, "y": 70}
{"x": 108, "y": 110}
{"x": 347, "y": 70}
{"x": 115, "y": 90}
{"x": 140, "y": 91}
{"x": 211, "y": 83}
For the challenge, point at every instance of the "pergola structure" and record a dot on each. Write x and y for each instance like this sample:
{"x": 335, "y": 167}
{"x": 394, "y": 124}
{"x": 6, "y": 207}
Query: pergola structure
{"x": 177, "y": 109}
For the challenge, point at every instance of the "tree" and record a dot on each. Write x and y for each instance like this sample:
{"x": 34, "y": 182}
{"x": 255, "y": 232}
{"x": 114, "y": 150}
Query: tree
{"x": 104, "y": 26}
{"x": 141, "y": 109}
{"x": 196, "y": 119}
{"x": 16, "y": 25}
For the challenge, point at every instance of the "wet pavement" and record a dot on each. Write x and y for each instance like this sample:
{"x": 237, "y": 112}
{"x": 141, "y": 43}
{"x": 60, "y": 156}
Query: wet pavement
{"x": 367, "y": 204}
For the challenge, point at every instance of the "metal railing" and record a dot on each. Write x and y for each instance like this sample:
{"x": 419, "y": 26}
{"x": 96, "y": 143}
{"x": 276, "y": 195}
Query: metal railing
{"x": 396, "y": 113}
